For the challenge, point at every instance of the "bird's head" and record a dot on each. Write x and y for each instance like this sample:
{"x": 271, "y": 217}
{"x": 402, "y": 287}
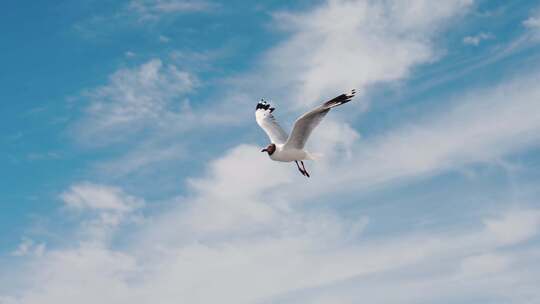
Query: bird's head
{"x": 270, "y": 149}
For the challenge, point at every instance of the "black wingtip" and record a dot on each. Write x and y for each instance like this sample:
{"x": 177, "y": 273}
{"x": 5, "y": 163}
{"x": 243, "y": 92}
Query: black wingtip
{"x": 264, "y": 105}
{"x": 339, "y": 100}
{"x": 344, "y": 98}
{"x": 350, "y": 95}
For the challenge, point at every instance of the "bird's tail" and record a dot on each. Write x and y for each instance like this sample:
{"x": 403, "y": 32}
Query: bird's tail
{"x": 314, "y": 156}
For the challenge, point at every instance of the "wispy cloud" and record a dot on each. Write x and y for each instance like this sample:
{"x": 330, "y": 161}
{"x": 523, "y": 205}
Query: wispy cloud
{"x": 146, "y": 155}
{"x": 476, "y": 39}
{"x": 130, "y": 54}
{"x": 134, "y": 98}
{"x": 355, "y": 44}
{"x": 533, "y": 22}
{"x": 515, "y": 227}
{"x": 102, "y": 209}
{"x": 529, "y": 38}
{"x": 164, "y": 39}
{"x": 28, "y": 247}
{"x": 98, "y": 197}
{"x": 471, "y": 130}
{"x": 154, "y": 9}
{"x": 137, "y": 14}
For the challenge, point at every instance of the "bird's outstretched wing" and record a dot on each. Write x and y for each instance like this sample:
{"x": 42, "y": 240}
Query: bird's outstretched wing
{"x": 267, "y": 121}
{"x": 305, "y": 124}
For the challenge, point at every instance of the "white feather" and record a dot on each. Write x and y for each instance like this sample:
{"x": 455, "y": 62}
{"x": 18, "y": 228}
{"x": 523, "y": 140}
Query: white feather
{"x": 268, "y": 123}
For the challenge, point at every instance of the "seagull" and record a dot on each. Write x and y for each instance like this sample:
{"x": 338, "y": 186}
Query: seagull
{"x": 288, "y": 148}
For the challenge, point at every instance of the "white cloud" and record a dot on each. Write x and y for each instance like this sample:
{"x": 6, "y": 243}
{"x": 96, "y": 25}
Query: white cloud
{"x": 102, "y": 209}
{"x": 154, "y": 9}
{"x": 164, "y": 39}
{"x": 290, "y": 257}
{"x": 230, "y": 197}
{"x": 29, "y": 247}
{"x": 476, "y": 39}
{"x": 133, "y": 99}
{"x": 99, "y": 197}
{"x": 148, "y": 155}
{"x": 530, "y": 37}
{"x": 485, "y": 264}
{"x": 514, "y": 227}
{"x": 533, "y": 22}
{"x": 151, "y": 99}
{"x": 137, "y": 14}
{"x": 353, "y": 44}
{"x": 240, "y": 238}
{"x": 86, "y": 274}
{"x": 43, "y": 156}
{"x": 479, "y": 127}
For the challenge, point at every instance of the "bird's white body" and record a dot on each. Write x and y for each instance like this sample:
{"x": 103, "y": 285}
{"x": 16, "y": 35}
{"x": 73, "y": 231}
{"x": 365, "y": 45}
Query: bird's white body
{"x": 283, "y": 154}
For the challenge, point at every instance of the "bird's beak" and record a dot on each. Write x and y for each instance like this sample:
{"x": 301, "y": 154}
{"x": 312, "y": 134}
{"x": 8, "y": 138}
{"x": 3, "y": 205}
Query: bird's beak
{"x": 264, "y": 150}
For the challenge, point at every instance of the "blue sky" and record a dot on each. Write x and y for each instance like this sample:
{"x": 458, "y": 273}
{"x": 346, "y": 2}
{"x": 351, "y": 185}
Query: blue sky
{"x": 132, "y": 171}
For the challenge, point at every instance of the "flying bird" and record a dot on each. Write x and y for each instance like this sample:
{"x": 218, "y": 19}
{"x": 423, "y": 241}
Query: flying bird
{"x": 288, "y": 148}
